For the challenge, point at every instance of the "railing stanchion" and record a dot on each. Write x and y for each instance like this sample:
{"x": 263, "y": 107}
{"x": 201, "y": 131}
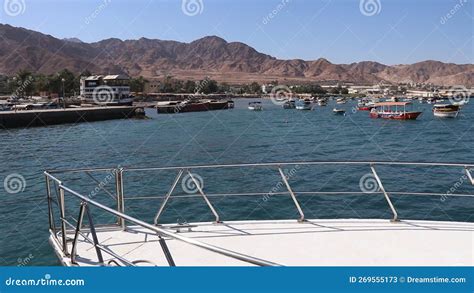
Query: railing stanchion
{"x": 94, "y": 235}
{"x": 167, "y": 197}
{"x": 62, "y": 207}
{"x": 387, "y": 197}
{"x": 78, "y": 230}
{"x": 297, "y": 204}
{"x": 468, "y": 173}
{"x": 52, "y": 226}
{"x": 199, "y": 188}
{"x": 120, "y": 198}
{"x": 167, "y": 252}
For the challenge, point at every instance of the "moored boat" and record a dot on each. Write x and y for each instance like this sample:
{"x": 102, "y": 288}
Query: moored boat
{"x": 341, "y": 101}
{"x": 255, "y": 106}
{"x": 322, "y": 102}
{"x": 303, "y": 104}
{"x": 219, "y": 105}
{"x": 445, "y": 110}
{"x": 339, "y": 111}
{"x": 182, "y": 107}
{"x": 365, "y": 106}
{"x": 290, "y": 104}
{"x": 394, "y": 110}
{"x": 192, "y": 106}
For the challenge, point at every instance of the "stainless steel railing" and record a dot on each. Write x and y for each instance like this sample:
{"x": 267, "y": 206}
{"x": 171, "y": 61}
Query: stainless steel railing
{"x": 85, "y": 202}
{"x": 60, "y": 234}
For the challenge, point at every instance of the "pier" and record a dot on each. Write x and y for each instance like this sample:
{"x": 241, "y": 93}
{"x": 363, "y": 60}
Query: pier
{"x": 33, "y": 118}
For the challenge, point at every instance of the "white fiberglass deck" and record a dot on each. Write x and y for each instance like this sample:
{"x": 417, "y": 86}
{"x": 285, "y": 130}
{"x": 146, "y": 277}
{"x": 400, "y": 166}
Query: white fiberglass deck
{"x": 342, "y": 242}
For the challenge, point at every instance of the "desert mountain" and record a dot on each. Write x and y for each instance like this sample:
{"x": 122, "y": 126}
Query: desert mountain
{"x": 209, "y": 56}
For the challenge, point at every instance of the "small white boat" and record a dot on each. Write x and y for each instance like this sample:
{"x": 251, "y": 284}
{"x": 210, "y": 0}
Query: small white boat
{"x": 322, "y": 102}
{"x": 303, "y": 104}
{"x": 461, "y": 103}
{"x": 339, "y": 111}
{"x": 445, "y": 110}
{"x": 290, "y": 104}
{"x": 341, "y": 101}
{"x": 255, "y": 106}
{"x": 430, "y": 101}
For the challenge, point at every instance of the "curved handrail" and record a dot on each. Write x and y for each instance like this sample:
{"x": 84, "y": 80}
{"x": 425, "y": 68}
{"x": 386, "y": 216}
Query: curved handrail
{"x": 122, "y": 217}
{"x": 274, "y": 164}
{"x": 163, "y": 232}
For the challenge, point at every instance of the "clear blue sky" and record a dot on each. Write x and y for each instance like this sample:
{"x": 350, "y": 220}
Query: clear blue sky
{"x": 403, "y": 31}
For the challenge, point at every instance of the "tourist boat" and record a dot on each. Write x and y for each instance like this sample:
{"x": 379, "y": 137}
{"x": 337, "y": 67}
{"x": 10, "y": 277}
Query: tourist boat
{"x": 339, "y": 111}
{"x": 255, "y": 106}
{"x": 445, "y": 110}
{"x": 341, "y": 101}
{"x": 94, "y": 232}
{"x": 394, "y": 110}
{"x": 290, "y": 104}
{"x": 303, "y": 104}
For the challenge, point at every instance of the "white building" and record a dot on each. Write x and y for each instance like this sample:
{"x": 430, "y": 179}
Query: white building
{"x": 108, "y": 89}
{"x": 267, "y": 88}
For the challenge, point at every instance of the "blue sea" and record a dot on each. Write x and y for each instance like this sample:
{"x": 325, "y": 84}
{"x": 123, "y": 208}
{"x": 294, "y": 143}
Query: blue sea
{"x": 228, "y": 137}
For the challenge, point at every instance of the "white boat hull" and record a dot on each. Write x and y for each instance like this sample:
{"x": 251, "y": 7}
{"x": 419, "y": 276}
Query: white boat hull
{"x": 315, "y": 242}
{"x": 303, "y": 107}
{"x": 453, "y": 114}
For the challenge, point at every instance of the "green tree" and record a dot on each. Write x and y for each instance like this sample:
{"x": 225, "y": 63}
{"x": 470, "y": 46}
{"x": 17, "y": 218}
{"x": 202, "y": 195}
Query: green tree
{"x": 138, "y": 84}
{"x": 255, "y": 88}
{"x": 22, "y": 84}
{"x": 189, "y": 86}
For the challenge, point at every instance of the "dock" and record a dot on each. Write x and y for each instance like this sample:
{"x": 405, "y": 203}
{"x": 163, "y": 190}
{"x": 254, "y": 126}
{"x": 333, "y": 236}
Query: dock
{"x": 34, "y": 118}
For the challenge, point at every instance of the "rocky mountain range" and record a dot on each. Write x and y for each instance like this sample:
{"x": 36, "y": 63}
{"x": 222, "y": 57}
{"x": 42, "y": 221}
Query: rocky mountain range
{"x": 212, "y": 56}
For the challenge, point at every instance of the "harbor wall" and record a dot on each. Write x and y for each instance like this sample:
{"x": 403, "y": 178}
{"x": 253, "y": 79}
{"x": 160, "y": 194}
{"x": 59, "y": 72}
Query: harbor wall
{"x": 32, "y": 118}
